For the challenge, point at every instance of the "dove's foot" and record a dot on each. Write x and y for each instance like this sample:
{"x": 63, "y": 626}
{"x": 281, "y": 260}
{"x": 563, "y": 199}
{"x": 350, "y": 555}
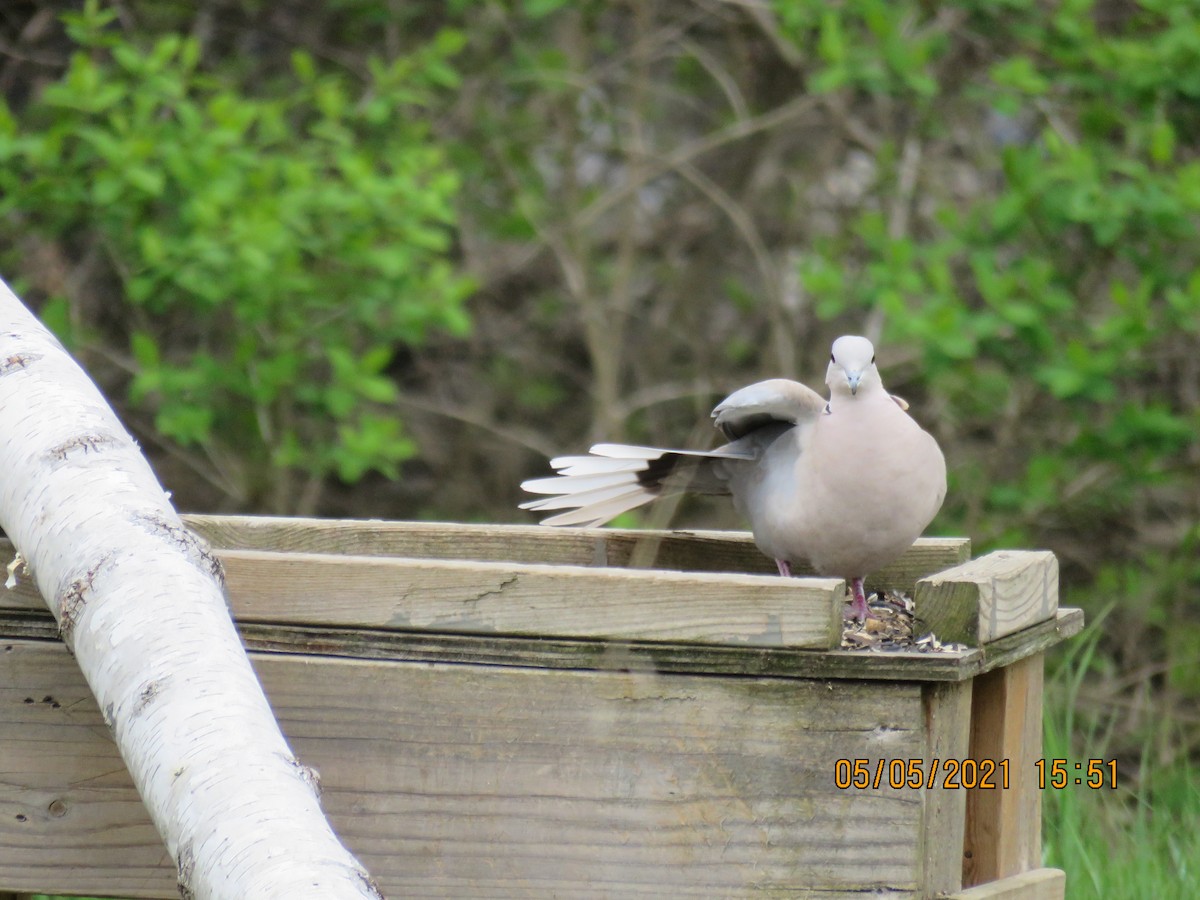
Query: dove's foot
{"x": 785, "y": 568}
{"x": 857, "y": 609}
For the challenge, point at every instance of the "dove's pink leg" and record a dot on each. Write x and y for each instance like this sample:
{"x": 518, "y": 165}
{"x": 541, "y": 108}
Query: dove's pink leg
{"x": 858, "y": 606}
{"x": 784, "y": 567}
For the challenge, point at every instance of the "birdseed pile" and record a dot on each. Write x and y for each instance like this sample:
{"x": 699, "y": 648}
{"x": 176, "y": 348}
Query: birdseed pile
{"x": 888, "y": 628}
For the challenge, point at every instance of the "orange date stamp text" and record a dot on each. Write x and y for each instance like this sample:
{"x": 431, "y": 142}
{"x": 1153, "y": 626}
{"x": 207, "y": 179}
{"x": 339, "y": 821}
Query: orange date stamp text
{"x": 969, "y": 774}
{"x": 948, "y": 774}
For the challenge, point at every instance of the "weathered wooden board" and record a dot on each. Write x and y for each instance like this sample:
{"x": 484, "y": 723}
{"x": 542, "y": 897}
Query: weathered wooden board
{"x": 947, "y": 727}
{"x": 691, "y": 551}
{"x": 470, "y": 596}
{"x": 635, "y": 656}
{"x": 1004, "y": 827}
{"x": 462, "y": 780}
{"x": 1039, "y": 884}
{"x": 989, "y": 597}
{"x": 571, "y": 653}
{"x": 465, "y": 597}
{"x": 355, "y": 581}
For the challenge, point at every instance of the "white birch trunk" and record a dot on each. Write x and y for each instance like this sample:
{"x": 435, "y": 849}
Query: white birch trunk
{"x": 140, "y": 601}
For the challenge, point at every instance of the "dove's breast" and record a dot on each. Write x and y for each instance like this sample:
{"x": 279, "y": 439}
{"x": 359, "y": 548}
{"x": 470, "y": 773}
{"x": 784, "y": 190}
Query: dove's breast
{"x": 854, "y": 491}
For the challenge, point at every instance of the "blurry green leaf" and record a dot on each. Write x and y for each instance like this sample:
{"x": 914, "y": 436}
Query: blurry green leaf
{"x": 145, "y": 350}
{"x": 302, "y": 65}
{"x": 832, "y": 43}
{"x": 87, "y": 26}
{"x": 1064, "y": 382}
{"x": 1020, "y": 74}
{"x": 373, "y": 443}
{"x": 187, "y": 423}
{"x": 538, "y": 9}
{"x": 55, "y": 314}
{"x": 1162, "y": 141}
{"x": 149, "y": 180}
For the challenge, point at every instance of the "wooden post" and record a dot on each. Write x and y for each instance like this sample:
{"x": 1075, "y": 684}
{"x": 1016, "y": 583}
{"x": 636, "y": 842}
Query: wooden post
{"x": 947, "y": 721}
{"x": 1003, "y": 828}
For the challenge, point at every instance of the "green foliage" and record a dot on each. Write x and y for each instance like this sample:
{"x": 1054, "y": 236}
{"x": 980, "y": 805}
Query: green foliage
{"x": 867, "y": 45}
{"x": 1140, "y": 840}
{"x": 275, "y": 250}
{"x": 1071, "y": 293}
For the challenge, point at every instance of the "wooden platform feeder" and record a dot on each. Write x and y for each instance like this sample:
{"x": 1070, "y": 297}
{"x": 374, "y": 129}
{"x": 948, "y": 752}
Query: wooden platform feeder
{"x": 531, "y": 712}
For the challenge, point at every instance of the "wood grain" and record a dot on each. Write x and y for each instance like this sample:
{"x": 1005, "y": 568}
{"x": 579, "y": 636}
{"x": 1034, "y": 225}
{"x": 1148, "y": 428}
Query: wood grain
{"x": 691, "y": 551}
{"x": 490, "y": 593}
{"x": 457, "y": 596}
{"x": 467, "y": 597}
{"x": 947, "y": 734}
{"x": 571, "y": 653}
{"x": 1004, "y": 827}
{"x": 1009, "y": 649}
{"x": 989, "y": 597}
{"x": 1039, "y": 884}
{"x": 462, "y": 780}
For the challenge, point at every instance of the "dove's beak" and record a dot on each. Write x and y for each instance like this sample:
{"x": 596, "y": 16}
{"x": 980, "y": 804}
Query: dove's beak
{"x": 852, "y": 379}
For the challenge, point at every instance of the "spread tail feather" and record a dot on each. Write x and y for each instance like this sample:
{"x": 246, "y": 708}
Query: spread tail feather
{"x": 596, "y": 514}
{"x": 616, "y": 478}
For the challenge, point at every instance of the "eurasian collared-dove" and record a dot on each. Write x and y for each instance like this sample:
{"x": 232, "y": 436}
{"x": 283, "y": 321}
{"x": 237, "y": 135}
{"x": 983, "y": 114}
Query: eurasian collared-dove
{"x": 847, "y": 484}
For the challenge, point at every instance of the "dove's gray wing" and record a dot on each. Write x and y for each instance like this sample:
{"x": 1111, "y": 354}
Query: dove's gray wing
{"x": 615, "y": 478}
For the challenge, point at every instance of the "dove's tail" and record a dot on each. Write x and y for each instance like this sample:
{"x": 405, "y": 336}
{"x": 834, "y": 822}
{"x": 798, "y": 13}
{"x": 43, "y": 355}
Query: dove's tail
{"x": 616, "y": 478}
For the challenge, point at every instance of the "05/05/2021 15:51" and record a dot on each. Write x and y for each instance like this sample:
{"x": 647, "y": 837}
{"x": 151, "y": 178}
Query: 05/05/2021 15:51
{"x": 968, "y": 774}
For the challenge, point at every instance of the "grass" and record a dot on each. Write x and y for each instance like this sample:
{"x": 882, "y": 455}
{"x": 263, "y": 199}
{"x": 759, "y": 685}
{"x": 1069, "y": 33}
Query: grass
{"x": 1140, "y": 840}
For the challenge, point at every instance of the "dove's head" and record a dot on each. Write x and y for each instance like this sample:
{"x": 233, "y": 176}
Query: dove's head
{"x": 851, "y": 365}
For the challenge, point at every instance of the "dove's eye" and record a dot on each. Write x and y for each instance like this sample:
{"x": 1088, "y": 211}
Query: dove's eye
{"x": 872, "y": 359}
{"x": 831, "y": 359}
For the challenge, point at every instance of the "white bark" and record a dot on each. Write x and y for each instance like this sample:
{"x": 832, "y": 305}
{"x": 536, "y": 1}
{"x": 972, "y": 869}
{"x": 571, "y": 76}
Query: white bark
{"x": 140, "y": 601}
